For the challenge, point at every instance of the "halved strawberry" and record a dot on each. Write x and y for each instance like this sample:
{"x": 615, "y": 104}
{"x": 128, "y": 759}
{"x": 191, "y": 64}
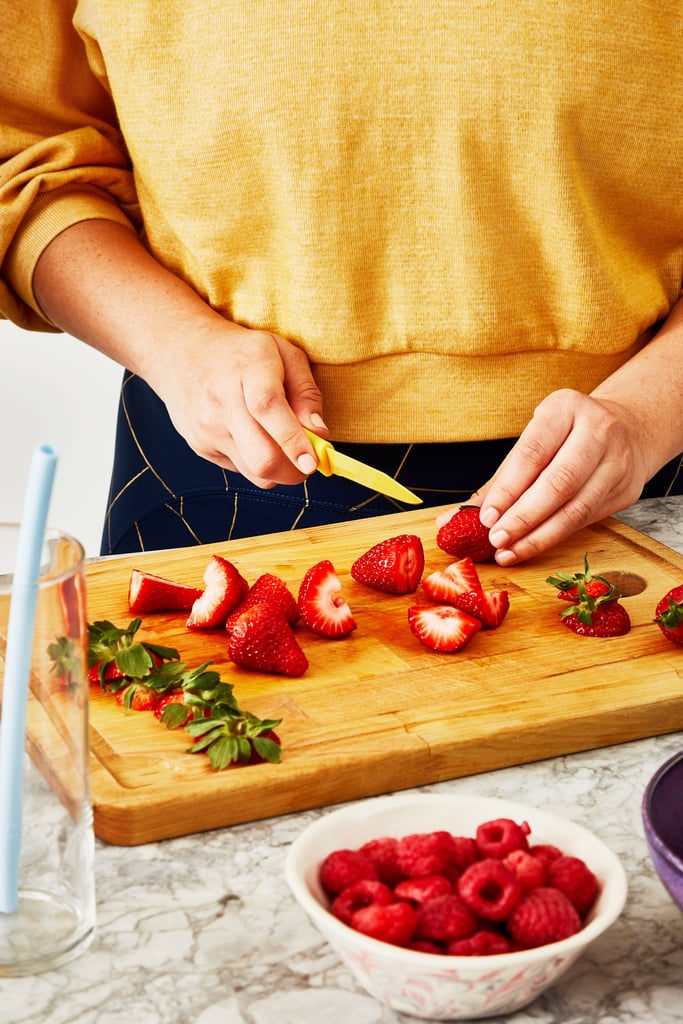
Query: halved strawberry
{"x": 150, "y": 593}
{"x": 489, "y": 606}
{"x": 394, "y": 566}
{"x": 459, "y": 577}
{"x": 442, "y": 627}
{"x": 263, "y": 640}
{"x": 225, "y": 588}
{"x": 272, "y": 590}
{"x": 321, "y": 603}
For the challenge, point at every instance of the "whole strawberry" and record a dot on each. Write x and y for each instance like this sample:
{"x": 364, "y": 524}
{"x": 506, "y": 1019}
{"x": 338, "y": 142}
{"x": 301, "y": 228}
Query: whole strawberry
{"x": 600, "y": 616}
{"x": 263, "y": 640}
{"x": 464, "y": 536}
{"x": 568, "y": 585}
{"x": 669, "y": 615}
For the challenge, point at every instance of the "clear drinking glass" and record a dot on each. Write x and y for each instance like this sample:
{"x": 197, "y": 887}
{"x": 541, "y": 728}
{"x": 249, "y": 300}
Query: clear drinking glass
{"x": 54, "y": 919}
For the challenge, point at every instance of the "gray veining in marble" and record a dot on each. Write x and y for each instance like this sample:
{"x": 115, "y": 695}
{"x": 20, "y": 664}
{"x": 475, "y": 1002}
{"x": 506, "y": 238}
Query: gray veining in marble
{"x": 203, "y": 930}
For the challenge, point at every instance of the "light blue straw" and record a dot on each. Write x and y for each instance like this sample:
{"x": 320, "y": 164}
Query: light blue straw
{"x": 22, "y": 616}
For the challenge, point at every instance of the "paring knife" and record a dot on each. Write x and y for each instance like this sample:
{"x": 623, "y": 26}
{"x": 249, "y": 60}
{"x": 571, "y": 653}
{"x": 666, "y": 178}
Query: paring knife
{"x": 331, "y": 461}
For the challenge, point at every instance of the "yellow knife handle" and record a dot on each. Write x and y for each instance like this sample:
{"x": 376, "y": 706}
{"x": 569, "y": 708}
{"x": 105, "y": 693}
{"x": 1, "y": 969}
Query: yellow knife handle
{"x": 322, "y": 448}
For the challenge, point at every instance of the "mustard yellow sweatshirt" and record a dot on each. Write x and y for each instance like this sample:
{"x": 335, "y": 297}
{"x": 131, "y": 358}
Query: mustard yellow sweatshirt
{"x": 453, "y": 206}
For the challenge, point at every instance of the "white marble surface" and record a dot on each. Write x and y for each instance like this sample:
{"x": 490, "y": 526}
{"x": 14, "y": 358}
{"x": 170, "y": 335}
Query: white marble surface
{"x": 203, "y": 930}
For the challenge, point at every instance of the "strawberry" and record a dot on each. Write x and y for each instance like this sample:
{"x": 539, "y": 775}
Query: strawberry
{"x": 597, "y": 616}
{"x": 263, "y": 640}
{"x": 441, "y": 627}
{"x": 116, "y": 657}
{"x": 568, "y": 586}
{"x": 464, "y": 535}
{"x": 394, "y": 566}
{"x": 669, "y": 615}
{"x": 459, "y": 577}
{"x": 225, "y": 588}
{"x": 268, "y": 589}
{"x": 321, "y": 603}
{"x": 489, "y": 606}
{"x": 138, "y": 697}
{"x": 150, "y": 593}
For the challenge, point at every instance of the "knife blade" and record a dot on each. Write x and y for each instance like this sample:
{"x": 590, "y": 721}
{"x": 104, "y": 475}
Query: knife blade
{"x": 331, "y": 461}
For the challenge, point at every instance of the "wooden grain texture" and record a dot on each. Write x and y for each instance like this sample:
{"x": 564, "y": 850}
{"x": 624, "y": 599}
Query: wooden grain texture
{"x": 377, "y": 712}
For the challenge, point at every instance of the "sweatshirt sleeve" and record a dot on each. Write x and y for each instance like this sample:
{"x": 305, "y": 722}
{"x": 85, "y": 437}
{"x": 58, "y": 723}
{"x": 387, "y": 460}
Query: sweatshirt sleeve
{"x": 62, "y": 156}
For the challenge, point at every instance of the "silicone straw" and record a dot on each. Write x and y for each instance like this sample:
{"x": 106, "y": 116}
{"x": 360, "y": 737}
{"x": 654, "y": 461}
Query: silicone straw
{"x": 22, "y": 615}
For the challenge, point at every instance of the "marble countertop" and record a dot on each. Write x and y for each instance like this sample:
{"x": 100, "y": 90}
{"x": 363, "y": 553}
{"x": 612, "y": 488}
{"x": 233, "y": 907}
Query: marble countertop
{"x": 203, "y": 929}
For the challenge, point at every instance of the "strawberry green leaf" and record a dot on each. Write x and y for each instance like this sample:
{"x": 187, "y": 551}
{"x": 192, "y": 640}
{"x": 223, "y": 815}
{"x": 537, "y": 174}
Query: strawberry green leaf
{"x": 266, "y": 748}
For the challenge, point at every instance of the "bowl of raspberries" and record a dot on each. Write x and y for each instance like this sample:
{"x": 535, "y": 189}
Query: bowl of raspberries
{"x": 449, "y": 907}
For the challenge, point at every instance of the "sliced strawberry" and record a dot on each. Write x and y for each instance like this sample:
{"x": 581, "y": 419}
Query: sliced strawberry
{"x": 272, "y": 590}
{"x": 489, "y": 606}
{"x": 394, "y": 566}
{"x": 442, "y": 627}
{"x": 224, "y": 590}
{"x": 138, "y": 697}
{"x": 150, "y": 593}
{"x": 459, "y": 577}
{"x": 321, "y": 603}
{"x": 262, "y": 639}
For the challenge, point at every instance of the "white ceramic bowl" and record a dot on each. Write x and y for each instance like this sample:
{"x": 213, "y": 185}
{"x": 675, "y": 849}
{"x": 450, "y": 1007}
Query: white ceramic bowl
{"x": 432, "y": 986}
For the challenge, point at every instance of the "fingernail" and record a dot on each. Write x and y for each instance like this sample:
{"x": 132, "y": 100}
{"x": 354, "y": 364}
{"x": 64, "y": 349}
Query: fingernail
{"x": 318, "y": 421}
{"x": 506, "y": 557}
{"x": 489, "y": 516}
{"x": 499, "y": 538}
{"x": 306, "y": 464}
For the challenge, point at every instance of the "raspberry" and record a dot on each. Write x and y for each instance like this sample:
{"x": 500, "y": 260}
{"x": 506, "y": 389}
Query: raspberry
{"x": 425, "y": 946}
{"x": 393, "y": 923}
{"x": 482, "y": 943}
{"x": 445, "y": 918}
{"x": 428, "y": 853}
{"x": 544, "y": 915}
{"x": 498, "y": 838}
{"x": 530, "y": 870}
{"x": 419, "y": 890}
{"x": 384, "y": 853}
{"x": 465, "y": 851}
{"x": 490, "y": 889}
{"x": 574, "y": 878}
{"x": 360, "y": 894}
{"x": 545, "y": 852}
{"x": 344, "y": 867}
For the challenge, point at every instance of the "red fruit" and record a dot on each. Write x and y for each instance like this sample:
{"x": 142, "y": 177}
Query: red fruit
{"x": 268, "y": 589}
{"x": 394, "y": 923}
{"x": 568, "y": 586}
{"x": 530, "y": 870}
{"x": 263, "y": 640}
{"x": 112, "y": 671}
{"x": 459, "y": 577}
{"x": 343, "y": 868}
{"x": 482, "y": 943}
{"x": 421, "y": 890}
{"x": 490, "y": 889}
{"x": 489, "y": 606}
{"x": 499, "y": 837}
{"x": 150, "y": 593}
{"x": 574, "y": 878}
{"x": 425, "y": 946}
{"x": 138, "y": 697}
{"x": 321, "y": 604}
{"x": 394, "y": 565}
{"x": 383, "y": 853}
{"x": 441, "y": 627}
{"x": 466, "y": 851}
{"x": 172, "y": 698}
{"x": 223, "y": 592}
{"x": 464, "y": 536}
{"x": 669, "y": 615}
{"x": 597, "y": 617}
{"x": 545, "y": 852}
{"x": 362, "y": 893}
{"x": 425, "y": 853}
{"x": 445, "y": 918}
{"x": 544, "y": 915}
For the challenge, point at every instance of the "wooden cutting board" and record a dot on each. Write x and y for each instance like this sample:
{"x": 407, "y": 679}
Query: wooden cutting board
{"x": 377, "y": 712}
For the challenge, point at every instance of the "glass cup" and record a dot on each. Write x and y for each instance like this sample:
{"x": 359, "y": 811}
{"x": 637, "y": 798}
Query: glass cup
{"x": 54, "y": 919}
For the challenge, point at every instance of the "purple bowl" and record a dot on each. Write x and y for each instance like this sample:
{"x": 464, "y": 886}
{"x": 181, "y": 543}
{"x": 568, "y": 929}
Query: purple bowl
{"x": 663, "y": 823}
